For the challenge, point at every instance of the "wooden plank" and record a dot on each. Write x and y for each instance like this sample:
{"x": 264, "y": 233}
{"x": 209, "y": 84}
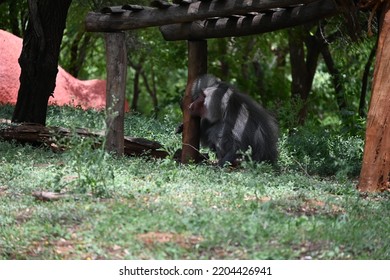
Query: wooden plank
{"x": 160, "y": 4}
{"x": 112, "y": 10}
{"x": 183, "y": 2}
{"x": 116, "y": 89}
{"x": 197, "y": 65}
{"x": 134, "y": 8}
{"x": 375, "y": 173}
{"x": 200, "y": 10}
{"x": 250, "y": 24}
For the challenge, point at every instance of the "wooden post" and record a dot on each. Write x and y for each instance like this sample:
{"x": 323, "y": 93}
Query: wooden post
{"x": 197, "y": 65}
{"x": 375, "y": 173}
{"x": 115, "y": 93}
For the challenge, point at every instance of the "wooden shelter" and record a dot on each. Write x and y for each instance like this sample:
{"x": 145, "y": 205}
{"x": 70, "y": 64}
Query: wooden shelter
{"x": 194, "y": 21}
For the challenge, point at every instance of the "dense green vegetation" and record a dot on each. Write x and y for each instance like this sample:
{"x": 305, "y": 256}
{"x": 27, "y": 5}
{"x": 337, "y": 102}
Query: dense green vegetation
{"x": 141, "y": 208}
{"x": 259, "y": 65}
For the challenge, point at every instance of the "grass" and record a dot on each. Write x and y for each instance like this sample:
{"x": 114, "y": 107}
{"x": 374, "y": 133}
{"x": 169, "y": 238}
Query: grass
{"x": 142, "y": 208}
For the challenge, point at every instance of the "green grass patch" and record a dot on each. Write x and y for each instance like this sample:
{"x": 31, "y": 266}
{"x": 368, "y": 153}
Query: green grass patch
{"x": 307, "y": 207}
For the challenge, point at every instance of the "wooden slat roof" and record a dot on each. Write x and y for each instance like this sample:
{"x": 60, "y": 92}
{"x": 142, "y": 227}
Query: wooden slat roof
{"x": 182, "y": 19}
{"x": 256, "y": 6}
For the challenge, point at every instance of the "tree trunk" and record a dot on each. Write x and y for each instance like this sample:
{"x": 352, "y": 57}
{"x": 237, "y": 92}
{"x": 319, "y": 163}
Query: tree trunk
{"x": 336, "y": 77}
{"x": 136, "y": 90}
{"x": 152, "y": 90}
{"x": 303, "y": 67}
{"x": 39, "y": 59}
{"x": 375, "y": 173}
{"x": 78, "y": 52}
{"x": 366, "y": 75}
{"x": 138, "y": 69}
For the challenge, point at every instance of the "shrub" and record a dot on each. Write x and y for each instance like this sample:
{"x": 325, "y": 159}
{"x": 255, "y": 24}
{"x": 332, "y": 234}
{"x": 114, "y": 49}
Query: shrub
{"x": 321, "y": 152}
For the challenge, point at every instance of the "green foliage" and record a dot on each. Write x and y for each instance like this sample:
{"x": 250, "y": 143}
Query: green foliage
{"x": 257, "y": 65}
{"x": 322, "y": 152}
{"x": 13, "y": 16}
{"x": 6, "y": 111}
{"x": 75, "y": 117}
{"x": 162, "y": 67}
{"x": 89, "y": 167}
{"x": 142, "y": 208}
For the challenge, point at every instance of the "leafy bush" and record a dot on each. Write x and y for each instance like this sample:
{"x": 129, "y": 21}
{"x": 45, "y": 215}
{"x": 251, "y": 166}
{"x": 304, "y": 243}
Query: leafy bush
{"x": 322, "y": 152}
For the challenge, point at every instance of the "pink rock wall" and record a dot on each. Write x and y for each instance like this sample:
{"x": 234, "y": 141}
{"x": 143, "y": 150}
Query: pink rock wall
{"x": 69, "y": 90}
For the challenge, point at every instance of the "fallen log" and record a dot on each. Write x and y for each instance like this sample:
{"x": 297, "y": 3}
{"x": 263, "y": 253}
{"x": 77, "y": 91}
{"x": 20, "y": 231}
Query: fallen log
{"x": 37, "y": 134}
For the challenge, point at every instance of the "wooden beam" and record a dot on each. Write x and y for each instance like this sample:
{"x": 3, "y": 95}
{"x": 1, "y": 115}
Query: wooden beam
{"x": 121, "y": 9}
{"x": 116, "y": 89}
{"x": 199, "y": 10}
{"x": 160, "y": 4}
{"x": 197, "y": 65}
{"x": 375, "y": 173}
{"x": 112, "y": 10}
{"x": 250, "y": 24}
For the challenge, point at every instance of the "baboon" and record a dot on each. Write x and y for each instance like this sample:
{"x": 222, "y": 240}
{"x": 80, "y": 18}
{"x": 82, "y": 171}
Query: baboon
{"x": 231, "y": 122}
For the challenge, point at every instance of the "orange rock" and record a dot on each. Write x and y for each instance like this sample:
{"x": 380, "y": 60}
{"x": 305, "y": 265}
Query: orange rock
{"x": 69, "y": 90}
